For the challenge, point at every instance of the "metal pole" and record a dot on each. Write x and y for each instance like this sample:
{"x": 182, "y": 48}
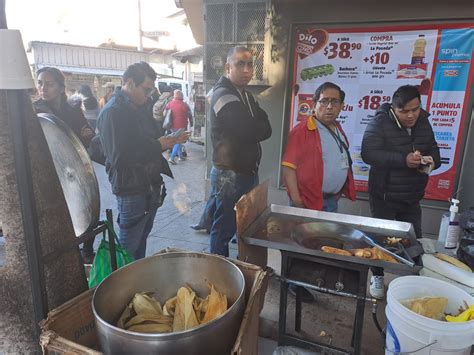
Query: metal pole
{"x": 140, "y": 32}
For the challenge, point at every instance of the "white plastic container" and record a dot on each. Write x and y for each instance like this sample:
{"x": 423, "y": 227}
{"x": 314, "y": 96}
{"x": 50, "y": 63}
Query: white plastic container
{"x": 408, "y": 331}
{"x": 443, "y": 227}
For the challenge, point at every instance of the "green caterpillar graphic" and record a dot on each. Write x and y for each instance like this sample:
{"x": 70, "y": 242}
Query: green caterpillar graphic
{"x": 317, "y": 71}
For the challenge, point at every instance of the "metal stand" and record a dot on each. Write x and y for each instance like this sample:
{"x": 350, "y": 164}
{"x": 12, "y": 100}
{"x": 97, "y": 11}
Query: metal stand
{"x": 101, "y": 227}
{"x": 344, "y": 279}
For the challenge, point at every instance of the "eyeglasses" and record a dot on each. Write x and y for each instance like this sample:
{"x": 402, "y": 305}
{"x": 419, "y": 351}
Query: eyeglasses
{"x": 326, "y": 102}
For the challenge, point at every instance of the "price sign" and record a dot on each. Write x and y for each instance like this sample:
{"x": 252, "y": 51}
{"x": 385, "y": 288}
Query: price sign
{"x": 369, "y": 64}
{"x": 378, "y": 58}
{"x": 372, "y": 102}
{"x": 341, "y": 50}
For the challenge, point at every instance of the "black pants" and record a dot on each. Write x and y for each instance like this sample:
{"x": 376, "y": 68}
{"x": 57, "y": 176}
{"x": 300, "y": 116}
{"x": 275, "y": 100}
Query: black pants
{"x": 397, "y": 211}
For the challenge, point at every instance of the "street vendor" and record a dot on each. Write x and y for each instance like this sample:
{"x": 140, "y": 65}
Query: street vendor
{"x": 400, "y": 147}
{"x": 317, "y": 167}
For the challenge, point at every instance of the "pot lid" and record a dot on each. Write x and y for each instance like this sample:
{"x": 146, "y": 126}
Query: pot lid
{"x": 75, "y": 171}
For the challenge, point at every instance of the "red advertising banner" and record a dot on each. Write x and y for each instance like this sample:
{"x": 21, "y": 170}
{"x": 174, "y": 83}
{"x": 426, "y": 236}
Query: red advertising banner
{"x": 369, "y": 64}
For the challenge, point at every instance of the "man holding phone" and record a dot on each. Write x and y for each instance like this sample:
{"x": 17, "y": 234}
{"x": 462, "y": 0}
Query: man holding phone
{"x": 400, "y": 147}
{"x": 134, "y": 156}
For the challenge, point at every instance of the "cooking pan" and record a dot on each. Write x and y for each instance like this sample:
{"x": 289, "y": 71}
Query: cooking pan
{"x": 314, "y": 235}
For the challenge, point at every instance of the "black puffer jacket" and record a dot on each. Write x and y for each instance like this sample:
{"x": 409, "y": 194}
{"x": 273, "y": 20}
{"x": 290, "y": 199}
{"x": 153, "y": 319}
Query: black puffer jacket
{"x": 385, "y": 147}
{"x": 236, "y": 129}
{"x": 129, "y": 137}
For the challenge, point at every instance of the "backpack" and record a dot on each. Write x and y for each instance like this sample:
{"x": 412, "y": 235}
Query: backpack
{"x": 160, "y": 106}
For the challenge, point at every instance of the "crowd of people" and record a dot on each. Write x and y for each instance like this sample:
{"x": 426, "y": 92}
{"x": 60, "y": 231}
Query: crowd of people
{"x": 130, "y": 121}
{"x": 120, "y": 132}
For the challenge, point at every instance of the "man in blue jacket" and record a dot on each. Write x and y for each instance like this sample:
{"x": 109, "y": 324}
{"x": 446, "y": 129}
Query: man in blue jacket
{"x": 238, "y": 125}
{"x": 134, "y": 160}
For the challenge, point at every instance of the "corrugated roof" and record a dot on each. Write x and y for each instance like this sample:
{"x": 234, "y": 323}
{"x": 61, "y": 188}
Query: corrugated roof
{"x": 82, "y": 70}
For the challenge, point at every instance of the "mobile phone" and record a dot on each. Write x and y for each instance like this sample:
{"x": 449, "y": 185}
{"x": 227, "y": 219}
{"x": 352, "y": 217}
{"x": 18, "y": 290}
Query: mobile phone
{"x": 177, "y": 133}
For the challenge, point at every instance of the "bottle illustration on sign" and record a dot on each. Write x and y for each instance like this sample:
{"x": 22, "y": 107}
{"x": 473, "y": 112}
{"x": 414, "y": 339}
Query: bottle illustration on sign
{"x": 418, "y": 56}
{"x": 418, "y": 68}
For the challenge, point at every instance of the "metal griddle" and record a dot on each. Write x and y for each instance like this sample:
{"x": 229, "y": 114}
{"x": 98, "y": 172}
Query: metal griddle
{"x": 297, "y": 233}
{"x": 75, "y": 171}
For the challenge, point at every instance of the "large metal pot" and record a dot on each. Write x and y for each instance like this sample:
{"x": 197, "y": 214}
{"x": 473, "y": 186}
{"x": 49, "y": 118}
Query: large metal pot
{"x": 164, "y": 274}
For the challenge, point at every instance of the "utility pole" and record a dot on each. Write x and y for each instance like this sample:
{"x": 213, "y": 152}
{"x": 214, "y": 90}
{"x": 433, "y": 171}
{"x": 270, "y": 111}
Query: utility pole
{"x": 140, "y": 32}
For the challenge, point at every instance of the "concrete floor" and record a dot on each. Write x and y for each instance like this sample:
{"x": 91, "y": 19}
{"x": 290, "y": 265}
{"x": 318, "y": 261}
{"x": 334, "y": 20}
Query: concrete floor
{"x": 183, "y": 207}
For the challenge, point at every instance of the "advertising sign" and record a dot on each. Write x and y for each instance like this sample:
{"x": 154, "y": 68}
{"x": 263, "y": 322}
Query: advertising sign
{"x": 369, "y": 64}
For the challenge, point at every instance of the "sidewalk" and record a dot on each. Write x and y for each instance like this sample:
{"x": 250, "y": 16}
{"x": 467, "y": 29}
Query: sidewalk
{"x": 183, "y": 205}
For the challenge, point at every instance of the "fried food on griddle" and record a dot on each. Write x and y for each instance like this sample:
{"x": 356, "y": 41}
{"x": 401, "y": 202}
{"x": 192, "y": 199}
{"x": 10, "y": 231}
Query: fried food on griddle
{"x": 381, "y": 255}
{"x": 274, "y": 225}
{"x": 362, "y": 253}
{"x": 431, "y": 307}
{"x": 391, "y": 241}
{"x": 332, "y": 250}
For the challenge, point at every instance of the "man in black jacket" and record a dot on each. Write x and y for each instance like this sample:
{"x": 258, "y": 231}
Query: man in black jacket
{"x": 401, "y": 149}
{"x": 238, "y": 125}
{"x": 134, "y": 162}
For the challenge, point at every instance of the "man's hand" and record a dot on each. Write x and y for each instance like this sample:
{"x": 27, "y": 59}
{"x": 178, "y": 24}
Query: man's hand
{"x": 297, "y": 202}
{"x": 413, "y": 160}
{"x": 167, "y": 142}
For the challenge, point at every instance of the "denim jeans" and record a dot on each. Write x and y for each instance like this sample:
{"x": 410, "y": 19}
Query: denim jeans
{"x": 136, "y": 216}
{"x": 330, "y": 203}
{"x": 208, "y": 214}
{"x": 177, "y": 151}
{"x": 227, "y": 187}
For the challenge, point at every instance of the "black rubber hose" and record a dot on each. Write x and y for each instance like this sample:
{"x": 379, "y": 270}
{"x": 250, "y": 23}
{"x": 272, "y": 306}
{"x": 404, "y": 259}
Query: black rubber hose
{"x": 377, "y": 324}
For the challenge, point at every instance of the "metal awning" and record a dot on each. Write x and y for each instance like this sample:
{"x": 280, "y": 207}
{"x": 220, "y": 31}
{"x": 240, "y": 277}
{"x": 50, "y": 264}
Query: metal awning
{"x": 82, "y": 70}
{"x": 194, "y": 10}
{"x": 189, "y": 55}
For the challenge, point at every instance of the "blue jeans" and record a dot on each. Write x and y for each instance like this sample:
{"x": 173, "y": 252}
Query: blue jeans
{"x": 136, "y": 216}
{"x": 227, "y": 187}
{"x": 177, "y": 151}
{"x": 208, "y": 213}
{"x": 330, "y": 203}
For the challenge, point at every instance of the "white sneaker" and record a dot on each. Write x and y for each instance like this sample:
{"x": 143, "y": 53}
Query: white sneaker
{"x": 377, "y": 287}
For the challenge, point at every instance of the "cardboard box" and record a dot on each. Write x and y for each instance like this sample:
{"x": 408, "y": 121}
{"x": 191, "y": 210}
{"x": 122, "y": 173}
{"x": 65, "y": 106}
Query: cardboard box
{"x": 70, "y": 328}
